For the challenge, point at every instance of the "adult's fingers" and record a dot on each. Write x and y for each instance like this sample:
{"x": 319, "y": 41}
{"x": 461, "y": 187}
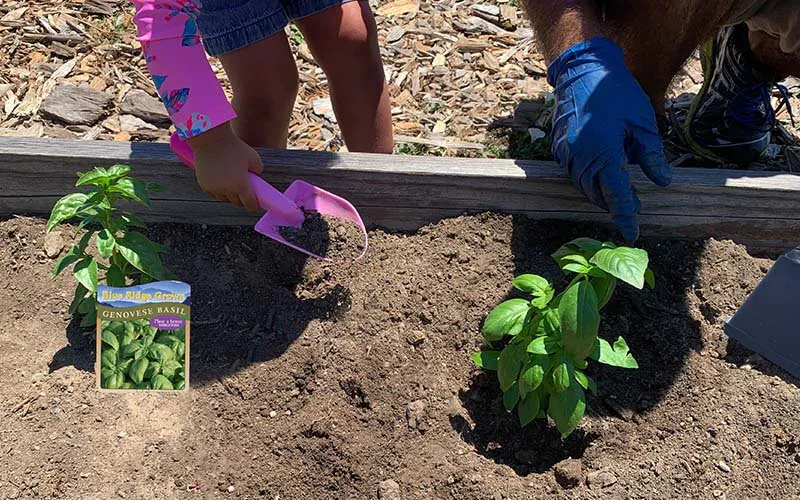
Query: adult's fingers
{"x": 621, "y": 199}
{"x": 647, "y": 150}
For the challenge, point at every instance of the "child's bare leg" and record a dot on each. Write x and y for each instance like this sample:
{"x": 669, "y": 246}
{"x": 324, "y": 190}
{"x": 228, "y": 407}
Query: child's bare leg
{"x": 265, "y": 82}
{"x": 344, "y": 41}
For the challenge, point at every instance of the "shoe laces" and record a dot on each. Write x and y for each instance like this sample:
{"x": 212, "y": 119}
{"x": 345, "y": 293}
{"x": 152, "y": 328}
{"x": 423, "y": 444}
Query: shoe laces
{"x": 749, "y": 105}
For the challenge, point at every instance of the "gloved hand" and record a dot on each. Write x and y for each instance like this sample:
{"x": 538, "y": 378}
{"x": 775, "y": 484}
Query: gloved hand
{"x": 602, "y": 121}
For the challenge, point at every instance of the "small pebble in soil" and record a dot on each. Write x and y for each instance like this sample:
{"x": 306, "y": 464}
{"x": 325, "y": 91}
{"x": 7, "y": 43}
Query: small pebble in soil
{"x": 568, "y": 473}
{"x": 327, "y": 236}
{"x": 231, "y": 488}
{"x": 122, "y": 434}
{"x": 723, "y": 466}
{"x": 389, "y": 490}
{"x": 273, "y": 414}
{"x": 600, "y": 479}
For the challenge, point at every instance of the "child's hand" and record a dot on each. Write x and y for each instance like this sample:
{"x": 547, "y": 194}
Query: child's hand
{"x": 221, "y": 164}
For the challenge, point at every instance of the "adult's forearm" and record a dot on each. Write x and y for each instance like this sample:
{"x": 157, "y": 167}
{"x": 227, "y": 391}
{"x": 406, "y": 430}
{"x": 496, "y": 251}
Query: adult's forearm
{"x": 559, "y": 24}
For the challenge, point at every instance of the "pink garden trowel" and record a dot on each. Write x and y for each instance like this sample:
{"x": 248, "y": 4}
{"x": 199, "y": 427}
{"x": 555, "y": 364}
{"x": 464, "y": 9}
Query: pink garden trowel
{"x": 286, "y": 209}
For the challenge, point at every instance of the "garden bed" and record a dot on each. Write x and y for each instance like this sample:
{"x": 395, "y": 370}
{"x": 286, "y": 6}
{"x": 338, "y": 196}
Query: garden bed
{"x": 312, "y": 381}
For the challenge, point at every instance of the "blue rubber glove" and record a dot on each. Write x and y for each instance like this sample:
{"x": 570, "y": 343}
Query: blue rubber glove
{"x": 602, "y": 121}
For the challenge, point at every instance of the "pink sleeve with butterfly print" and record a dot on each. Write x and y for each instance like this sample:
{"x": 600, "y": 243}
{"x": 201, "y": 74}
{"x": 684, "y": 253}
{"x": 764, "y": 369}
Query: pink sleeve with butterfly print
{"x": 178, "y": 65}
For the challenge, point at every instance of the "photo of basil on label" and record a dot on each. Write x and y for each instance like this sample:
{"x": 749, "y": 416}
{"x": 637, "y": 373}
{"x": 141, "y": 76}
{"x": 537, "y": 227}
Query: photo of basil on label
{"x": 143, "y": 337}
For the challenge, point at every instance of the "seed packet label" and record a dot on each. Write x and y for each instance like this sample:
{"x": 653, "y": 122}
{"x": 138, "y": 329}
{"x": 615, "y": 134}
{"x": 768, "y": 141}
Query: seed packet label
{"x": 143, "y": 337}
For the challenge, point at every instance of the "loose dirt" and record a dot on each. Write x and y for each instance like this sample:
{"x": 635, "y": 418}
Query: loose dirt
{"x": 313, "y": 381}
{"x": 326, "y": 236}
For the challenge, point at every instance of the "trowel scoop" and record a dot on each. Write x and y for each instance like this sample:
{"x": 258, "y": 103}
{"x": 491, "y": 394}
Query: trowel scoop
{"x": 287, "y": 209}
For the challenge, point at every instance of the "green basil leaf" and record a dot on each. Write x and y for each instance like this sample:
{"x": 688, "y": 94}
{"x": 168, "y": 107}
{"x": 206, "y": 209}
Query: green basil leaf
{"x": 627, "y": 264}
{"x": 117, "y": 327}
{"x": 101, "y": 177}
{"x": 90, "y": 319}
{"x": 133, "y": 349}
{"x": 573, "y": 267}
{"x": 137, "y": 369}
{"x": 567, "y": 408}
{"x": 110, "y": 339}
{"x": 169, "y": 367}
{"x": 485, "y": 359}
{"x": 561, "y": 377}
{"x": 532, "y": 284}
{"x": 650, "y": 278}
{"x": 115, "y": 276}
{"x": 511, "y": 397}
{"x": 65, "y": 209}
{"x": 131, "y": 189}
{"x": 161, "y": 352}
{"x": 618, "y": 356}
{"x": 586, "y": 382}
{"x": 78, "y": 299}
{"x": 180, "y": 385}
{"x": 85, "y": 272}
{"x": 604, "y": 289}
{"x": 528, "y": 409}
{"x": 543, "y": 345}
{"x": 509, "y": 364}
{"x": 531, "y": 377}
{"x": 65, "y": 261}
{"x": 160, "y": 382}
{"x": 505, "y": 319}
{"x": 586, "y": 247}
{"x": 575, "y": 258}
{"x": 105, "y": 243}
{"x": 579, "y": 317}
{"x": 139, "y": 251}
{"x": 108, "y": 358}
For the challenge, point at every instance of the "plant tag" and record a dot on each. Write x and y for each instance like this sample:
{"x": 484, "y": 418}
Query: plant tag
{"x": 143, "y": 336}
{"x": 766, "y": 322}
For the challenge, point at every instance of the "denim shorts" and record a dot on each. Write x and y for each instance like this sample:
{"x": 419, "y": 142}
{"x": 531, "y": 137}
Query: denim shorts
{"x": 228, "y": 25}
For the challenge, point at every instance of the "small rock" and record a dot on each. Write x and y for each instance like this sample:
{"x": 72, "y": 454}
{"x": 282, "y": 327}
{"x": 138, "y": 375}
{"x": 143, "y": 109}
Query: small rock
{"x": 130, "y": 123}
{"x": 416, "y": 337}
{"x": 53, "y": 244}
{"x": 323, "y": 107}
{"x": 600, "y": 479}
{"x": 746, "y": 367}
{"x": 415, "y": 413}
{"x": 273, "y": 414}
{"x": 536, "y": 133}
{"x": 389, "y": 490}
{"x": 568, "y": 473}
{"x": 723, "y": 466}
{"x": 719, "y": 494}
{"x": 84, "y": 474}
{"x": 146, "y": 107}
{"x": 231, "y": 488}
{"x": 75, "y": 105}
{"x": 122, "y": 434}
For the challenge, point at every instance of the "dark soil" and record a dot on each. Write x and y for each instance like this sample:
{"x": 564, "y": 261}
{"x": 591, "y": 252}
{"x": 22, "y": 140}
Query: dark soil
{"x": 318, "y": 381}
{"x": 326, "y": 236}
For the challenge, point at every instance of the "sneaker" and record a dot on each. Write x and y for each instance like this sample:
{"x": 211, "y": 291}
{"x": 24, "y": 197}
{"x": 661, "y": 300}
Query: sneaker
{"x": 731, "y": 120}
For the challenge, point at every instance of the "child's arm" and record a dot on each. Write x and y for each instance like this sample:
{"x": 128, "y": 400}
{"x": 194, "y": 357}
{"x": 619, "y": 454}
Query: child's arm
{"x": 194, "y": 99}
{"x": 177, "y": 62}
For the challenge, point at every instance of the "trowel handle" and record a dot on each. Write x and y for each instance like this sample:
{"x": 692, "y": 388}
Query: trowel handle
{"x": 268, "y": 197}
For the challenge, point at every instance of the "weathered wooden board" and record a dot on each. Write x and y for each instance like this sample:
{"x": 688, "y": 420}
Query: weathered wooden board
{"x": 405, "y": 192}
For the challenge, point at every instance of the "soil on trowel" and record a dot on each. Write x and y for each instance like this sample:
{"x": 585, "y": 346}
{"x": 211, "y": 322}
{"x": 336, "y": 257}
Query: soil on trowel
{"x": 327, "y": 236}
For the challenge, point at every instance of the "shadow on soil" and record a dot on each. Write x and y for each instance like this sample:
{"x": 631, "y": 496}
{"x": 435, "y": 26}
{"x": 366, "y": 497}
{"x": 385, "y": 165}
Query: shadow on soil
{"x": 247, "y": 306}
{"x": 79, "y": 352}
{"x": 656, "y": 324}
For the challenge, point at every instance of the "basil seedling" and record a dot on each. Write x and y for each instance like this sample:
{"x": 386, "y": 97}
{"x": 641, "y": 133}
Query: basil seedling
{"x": 540, "y": 369}
{"x": 127, "y": 257}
